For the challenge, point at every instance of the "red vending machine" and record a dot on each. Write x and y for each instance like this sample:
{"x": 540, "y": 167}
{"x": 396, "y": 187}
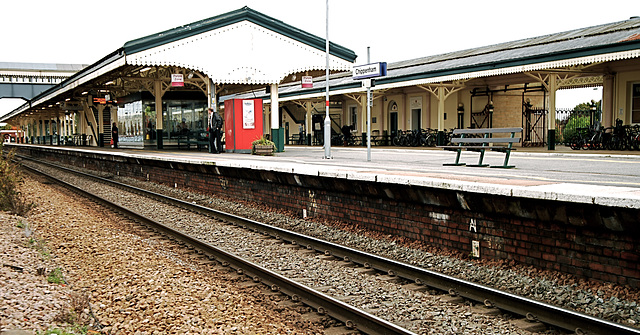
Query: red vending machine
{"x": 243, "y": 124}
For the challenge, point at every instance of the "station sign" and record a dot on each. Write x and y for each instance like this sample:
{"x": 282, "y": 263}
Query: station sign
{"x": 307, "y": 81}
{"x": 369, "y": 71}
{"x": 177, "y": 80}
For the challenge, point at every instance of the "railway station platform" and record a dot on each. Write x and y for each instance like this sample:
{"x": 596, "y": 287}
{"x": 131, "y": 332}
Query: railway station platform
{"x": 610, "y": 178}
{"x": 572, "y": 211}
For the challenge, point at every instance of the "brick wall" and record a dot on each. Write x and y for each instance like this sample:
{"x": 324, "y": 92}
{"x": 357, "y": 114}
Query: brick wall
{"x": 573, "y": 238}
{"x": 508, "y": 108}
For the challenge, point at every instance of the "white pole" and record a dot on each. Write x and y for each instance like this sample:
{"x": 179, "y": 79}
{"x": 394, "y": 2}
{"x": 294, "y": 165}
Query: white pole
{"x": 368, "y": 113}
{"x": 327, "y": 120}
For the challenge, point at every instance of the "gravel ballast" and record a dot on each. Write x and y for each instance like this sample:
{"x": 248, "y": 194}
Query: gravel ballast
{"x": 601, "y": 299}
{"x": 134, "y": 283}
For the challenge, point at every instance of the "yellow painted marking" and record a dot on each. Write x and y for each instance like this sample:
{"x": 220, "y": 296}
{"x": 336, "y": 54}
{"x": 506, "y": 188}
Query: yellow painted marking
{"x": 621, "y": 160}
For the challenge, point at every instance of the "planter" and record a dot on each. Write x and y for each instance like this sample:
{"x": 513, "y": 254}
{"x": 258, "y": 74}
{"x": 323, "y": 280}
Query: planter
{"x": 263, "y": 149}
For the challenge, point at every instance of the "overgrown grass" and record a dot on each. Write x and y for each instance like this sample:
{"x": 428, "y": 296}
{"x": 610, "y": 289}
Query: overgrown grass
{"x": 71, "y": 330}
{"x": 40, "y": 246}
{"x": 72, "y": 316}
{"x": 56, "y": 277}
{"x": 11, "y": 199}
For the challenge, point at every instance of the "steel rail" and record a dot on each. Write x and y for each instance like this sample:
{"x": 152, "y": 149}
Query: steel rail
{"x": 352, "y": 317}
{"x": 546, "y": 313}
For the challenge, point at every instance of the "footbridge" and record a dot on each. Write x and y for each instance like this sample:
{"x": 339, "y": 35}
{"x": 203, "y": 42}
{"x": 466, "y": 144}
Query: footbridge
{"x": 26, "y": 80}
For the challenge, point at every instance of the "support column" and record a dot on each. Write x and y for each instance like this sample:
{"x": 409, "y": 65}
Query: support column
{"x": 362, "y": 113}
{"x": 607, "y": 100}
{"x": 40, "y": 129}
{"x": 157, "y": 88}
{"x": 277, "y": 133}
{"x": 551, "y": 137}
{"x": 308, "y": 127}
{"x": 65, "y": 127}
{"x": 100, "y": 127}
{"x": 83, "y": 126}
{"x": 59, "y": 127}
{"x": 441, "y": 99}
{"x": 212, "y": 100}
{"x": 22, "y": 127}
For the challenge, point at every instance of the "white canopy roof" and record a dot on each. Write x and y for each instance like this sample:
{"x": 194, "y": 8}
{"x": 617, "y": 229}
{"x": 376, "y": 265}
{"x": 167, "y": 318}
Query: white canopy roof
{"x": 241, "y": 47}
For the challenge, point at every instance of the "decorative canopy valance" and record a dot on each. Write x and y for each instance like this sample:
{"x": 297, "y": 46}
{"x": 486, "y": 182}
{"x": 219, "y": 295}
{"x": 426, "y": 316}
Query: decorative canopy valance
{"x": 241, "y": 47}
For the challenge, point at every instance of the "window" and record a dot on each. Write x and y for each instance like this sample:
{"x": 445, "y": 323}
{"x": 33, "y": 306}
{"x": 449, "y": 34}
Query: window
{"x": 635, "y": 103}
{"x": 353, "y": 112}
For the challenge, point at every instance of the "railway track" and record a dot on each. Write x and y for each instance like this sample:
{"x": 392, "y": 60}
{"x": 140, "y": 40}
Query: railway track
{"x": 353, "y": 317}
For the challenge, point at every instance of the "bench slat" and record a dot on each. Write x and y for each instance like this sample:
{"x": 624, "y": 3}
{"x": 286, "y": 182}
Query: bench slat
{"x": 473, "y": 147}
{"x": 487, "y": 131}
{"x": 485, "y": 140}
{"x": 465, "y": 143}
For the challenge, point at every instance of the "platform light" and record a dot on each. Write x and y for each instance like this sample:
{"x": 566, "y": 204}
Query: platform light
{"x": 110, "y": 83}
{"x": 84, "y": 93}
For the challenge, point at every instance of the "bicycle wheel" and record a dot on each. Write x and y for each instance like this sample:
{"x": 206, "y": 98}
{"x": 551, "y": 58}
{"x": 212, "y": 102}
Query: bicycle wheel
{"x": 396, "y": 141}
{"x": 574, "y": 143}
{"x": 430, "y": 141}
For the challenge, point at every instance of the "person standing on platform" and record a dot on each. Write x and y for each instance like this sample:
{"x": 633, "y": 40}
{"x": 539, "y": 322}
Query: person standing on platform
{"x": 114, "y": 135}
{"x": 217, "y": 123}
{"x": 211, "y": 130}
{"x": 346, "y": 133}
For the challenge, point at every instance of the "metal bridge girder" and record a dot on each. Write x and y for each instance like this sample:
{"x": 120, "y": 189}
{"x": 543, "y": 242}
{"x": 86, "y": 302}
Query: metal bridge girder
{"x": 26, "y": 91}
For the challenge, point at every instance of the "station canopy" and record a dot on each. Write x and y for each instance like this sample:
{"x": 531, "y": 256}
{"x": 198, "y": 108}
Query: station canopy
{"x": 237, "y": 51}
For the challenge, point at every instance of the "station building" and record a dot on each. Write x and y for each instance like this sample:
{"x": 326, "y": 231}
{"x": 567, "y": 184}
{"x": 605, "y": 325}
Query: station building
{"x": 244, "y": 54}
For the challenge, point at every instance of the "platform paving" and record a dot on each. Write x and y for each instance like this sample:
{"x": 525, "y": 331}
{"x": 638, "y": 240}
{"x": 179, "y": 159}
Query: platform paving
{"x": 610, "y": 178}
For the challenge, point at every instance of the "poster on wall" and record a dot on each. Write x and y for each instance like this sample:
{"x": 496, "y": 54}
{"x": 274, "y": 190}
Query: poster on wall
{"x": 248, "y": 115}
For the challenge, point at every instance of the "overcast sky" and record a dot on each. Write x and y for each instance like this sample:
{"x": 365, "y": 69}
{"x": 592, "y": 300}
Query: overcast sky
{"x": 69, "y": 31}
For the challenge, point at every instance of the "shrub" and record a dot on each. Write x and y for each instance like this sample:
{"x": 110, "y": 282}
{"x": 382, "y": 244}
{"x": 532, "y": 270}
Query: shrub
{"x": 262, "y": 141}
{"x": 10, "y": 197}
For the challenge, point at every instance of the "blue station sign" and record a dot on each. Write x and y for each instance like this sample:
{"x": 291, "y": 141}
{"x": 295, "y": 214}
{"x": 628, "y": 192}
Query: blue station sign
{"x": 370, "y": 70}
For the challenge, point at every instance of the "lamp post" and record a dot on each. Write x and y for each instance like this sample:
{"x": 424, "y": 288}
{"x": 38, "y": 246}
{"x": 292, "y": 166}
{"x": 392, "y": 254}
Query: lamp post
{"x": 327, "y": 120}
{"x": 368, "y": 113}
{"x": 490, "y": 110}
{"x": 460, "y": 115}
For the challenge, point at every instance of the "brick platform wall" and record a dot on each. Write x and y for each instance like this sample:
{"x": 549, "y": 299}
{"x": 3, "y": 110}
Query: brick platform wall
{"x": 573, "y": 238}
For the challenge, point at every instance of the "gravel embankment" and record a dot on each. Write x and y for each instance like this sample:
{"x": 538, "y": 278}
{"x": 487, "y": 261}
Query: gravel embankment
{"x": 131, "y": 282}
{"x": 604, "y": 300}
{"x": 419, "y": 312}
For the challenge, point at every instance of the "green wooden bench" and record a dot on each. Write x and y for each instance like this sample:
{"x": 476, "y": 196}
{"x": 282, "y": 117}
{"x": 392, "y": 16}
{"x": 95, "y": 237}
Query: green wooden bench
{"x": 465, "y": 141}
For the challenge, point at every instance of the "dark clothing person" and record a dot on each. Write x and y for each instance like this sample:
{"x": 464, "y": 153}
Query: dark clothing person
{"x": 215, "y": 132}
{"x": 114, "y": 135}
{"x": 346, "y": 132}
{"x": 218, "y": 131}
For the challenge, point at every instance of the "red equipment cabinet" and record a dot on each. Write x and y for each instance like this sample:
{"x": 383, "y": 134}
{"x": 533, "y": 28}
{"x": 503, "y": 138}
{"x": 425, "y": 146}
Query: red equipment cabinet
{"x": 243, "y": 124}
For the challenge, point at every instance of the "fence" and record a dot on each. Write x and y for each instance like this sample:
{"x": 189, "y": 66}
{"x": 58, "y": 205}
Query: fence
{"x": 569, "y": 120}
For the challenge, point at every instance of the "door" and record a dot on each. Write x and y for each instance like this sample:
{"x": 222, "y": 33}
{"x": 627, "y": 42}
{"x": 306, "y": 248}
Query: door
{"x": 393, "y": 124}
{"x": 415, "y": 118}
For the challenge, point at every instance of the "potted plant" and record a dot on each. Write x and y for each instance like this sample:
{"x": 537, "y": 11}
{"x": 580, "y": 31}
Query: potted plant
{"x": 263, "y": 146}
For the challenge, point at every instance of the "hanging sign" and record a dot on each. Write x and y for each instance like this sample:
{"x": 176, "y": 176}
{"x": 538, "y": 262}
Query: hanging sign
{"x": 248, "y": 114}
{"x": 307, "y": 81}
{"x": 370, "y": 70}
{"x": 177, "y": 80}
